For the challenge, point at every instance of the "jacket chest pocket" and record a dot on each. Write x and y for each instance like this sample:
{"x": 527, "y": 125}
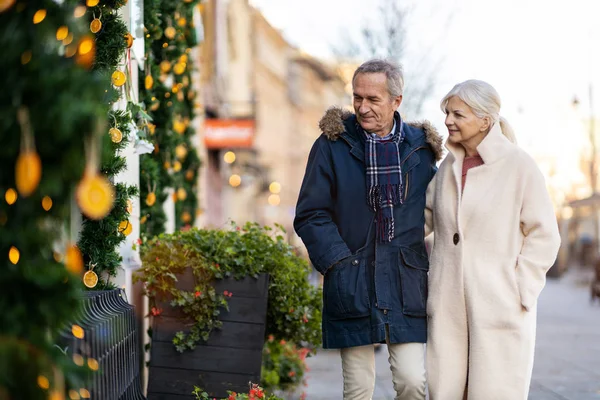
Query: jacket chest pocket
{"x": 345, "y": 289}
{"x": 413, "y": 279}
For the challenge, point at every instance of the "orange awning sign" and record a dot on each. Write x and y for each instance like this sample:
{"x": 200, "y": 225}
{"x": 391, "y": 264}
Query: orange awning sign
{"x": 226, "y": 133}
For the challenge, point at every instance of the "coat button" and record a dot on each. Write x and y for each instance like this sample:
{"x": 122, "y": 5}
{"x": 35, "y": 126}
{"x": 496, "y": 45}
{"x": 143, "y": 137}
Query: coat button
{"x": 456, "y": 238}
{"x": 385, "y": 312}
{"x": 373, "y": 263}
{"x": 354, "y": 262}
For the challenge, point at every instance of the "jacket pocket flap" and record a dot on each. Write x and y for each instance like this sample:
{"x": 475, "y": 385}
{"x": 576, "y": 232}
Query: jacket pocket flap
{"x": 414, "y": 259}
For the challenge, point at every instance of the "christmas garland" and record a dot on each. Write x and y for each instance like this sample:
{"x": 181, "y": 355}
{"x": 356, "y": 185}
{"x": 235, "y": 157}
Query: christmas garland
{"x": 166, "y": 91}
{"x": 49, "y": 108}
{"x": 100, "y": 238}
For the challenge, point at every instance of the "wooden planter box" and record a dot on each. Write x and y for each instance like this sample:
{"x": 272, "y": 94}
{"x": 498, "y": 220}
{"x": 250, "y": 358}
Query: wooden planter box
{"x": 230, "y": 359}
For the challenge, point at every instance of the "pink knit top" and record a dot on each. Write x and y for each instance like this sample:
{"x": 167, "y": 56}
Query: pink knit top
{"x": 468, "y": 163}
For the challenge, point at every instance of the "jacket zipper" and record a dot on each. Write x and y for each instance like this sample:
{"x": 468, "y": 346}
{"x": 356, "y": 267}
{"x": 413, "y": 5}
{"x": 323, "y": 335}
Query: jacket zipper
{"x": 410, "y": 154}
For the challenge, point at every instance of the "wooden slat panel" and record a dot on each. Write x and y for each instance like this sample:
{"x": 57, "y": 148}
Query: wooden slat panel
{"x": 247, "y": 310}
{"x": 182, "y": 382}
{"x": 232, "y": 334}
{"x": 207, "y": 358}
{"x": 247, "y": 287}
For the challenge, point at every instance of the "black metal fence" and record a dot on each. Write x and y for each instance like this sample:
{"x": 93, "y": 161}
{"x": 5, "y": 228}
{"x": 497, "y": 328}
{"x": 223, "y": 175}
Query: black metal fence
{"x": 105, "y": 337}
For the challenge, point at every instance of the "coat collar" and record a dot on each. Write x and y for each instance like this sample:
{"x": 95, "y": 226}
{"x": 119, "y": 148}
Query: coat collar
{"x": 492, "y": 148}
{"x": 338, "y": 123}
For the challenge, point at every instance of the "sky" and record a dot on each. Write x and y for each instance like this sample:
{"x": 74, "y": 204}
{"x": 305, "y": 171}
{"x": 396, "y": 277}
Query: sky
{"x": 538, "y": 54}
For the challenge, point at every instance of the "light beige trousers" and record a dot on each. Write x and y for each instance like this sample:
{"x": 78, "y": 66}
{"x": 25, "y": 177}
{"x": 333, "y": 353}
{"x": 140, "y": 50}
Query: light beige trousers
{"x": 407, "y": 362}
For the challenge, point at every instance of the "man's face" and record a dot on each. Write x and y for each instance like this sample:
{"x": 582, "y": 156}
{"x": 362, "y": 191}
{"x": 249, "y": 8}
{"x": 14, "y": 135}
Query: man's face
{"x": 373, "y": 105}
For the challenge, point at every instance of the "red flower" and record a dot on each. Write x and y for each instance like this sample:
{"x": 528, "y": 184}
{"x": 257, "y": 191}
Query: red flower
{"x": 232, "y": 396}
{"x": 186, "y": 228}
{"x": 271, "y": 338}
{"x": 156, "y": 258}
{"x": 291, "y": 310}
{"x": 230, "y": 294}
{"x": 292, "y": 373}
{"x": 305, "y": 319}
{"x": 237, "y": 228}
{"x": 226, "y": 293}
{"x": 217, "y": 266}
{"x": 198, "y": 294}
{"x": 282, "y": 342}
{"x": 155, "y": 311}
{"x": 139, "y": 241}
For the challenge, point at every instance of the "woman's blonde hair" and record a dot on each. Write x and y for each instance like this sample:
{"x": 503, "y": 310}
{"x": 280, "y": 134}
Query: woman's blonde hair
{"x": 483, "y": 100}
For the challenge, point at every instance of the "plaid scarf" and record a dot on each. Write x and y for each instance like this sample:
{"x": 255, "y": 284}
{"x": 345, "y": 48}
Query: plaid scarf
{"x": 384, "y": 177}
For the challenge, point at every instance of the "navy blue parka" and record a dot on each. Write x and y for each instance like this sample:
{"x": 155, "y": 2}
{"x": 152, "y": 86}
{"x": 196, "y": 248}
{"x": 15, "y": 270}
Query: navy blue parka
{"x": 369, "y": 286}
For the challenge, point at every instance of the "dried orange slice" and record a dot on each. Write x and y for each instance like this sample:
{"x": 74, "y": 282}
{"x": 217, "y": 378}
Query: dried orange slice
{"x": 125, "y": 228}
{"x": 179, "y": 126}
{"x": 90, "y": 279}
{"x": 95, "y": 25}
{"x": 118, "y": 78}
{"x": 150, "y": 199}
{"x": 95, "y": 196}
{"x": 179, "y": 68}
{"x": 148, "y": 82}
{"x": 28, "y": 172}
{"x": 129, "y": 40}
{"x": 165, "y": 66}
{"x": 6, "y": 4}
{"x": 181, "y": 194}
{"x": 170, "y": 32}
{"x": 115, "y": 135}
{"x": 73, "y": 259}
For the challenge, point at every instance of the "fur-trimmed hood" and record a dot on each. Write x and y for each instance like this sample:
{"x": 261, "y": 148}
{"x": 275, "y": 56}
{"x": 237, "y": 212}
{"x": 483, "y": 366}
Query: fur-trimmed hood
{"x": 332, "y": 126}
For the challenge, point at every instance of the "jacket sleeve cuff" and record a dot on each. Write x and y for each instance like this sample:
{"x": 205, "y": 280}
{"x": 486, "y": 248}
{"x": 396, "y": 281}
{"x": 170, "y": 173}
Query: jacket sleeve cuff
{"x": 330, "y": 258}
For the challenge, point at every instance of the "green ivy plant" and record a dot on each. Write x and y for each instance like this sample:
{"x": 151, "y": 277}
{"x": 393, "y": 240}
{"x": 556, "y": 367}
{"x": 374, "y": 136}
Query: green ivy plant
{"x": 294, "y": 307}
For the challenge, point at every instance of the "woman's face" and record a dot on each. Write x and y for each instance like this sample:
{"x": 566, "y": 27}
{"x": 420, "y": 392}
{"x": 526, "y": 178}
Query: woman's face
{"x": 464, "y": 127}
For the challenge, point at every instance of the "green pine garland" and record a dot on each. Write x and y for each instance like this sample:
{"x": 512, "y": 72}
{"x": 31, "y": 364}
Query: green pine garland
{"x": 99, "y": 240}
{"x": 169, "y": 107}
{"x": 64, "y": 103}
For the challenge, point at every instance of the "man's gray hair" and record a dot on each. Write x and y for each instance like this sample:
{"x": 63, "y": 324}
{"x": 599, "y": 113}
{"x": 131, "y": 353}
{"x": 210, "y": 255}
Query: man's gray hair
{"x": 392, "y": 71}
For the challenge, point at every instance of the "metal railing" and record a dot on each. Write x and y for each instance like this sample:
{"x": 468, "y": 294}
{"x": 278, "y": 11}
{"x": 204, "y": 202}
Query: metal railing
{"x": 104, "y": 336}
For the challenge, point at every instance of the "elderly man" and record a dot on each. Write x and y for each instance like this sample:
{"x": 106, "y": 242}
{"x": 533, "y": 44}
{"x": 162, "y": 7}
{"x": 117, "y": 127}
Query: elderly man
{"x": 360, "y": 214}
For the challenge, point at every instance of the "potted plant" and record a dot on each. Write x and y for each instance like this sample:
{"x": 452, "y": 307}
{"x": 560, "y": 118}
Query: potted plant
{"x": 215, "y": 295}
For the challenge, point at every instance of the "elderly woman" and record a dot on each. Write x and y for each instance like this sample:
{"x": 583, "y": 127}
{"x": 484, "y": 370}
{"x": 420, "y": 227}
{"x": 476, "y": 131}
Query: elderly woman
{"x": 495, "y": 236}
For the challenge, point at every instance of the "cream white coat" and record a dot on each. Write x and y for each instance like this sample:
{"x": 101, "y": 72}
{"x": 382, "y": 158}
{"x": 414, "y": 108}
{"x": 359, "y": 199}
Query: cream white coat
{"x": 493, "y": 245}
